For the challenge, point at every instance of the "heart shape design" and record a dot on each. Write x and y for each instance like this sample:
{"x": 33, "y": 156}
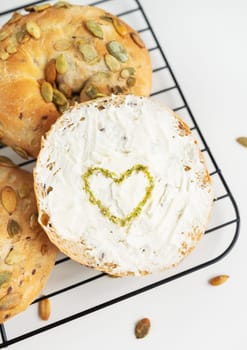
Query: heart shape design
{"x": 118, "y": 180}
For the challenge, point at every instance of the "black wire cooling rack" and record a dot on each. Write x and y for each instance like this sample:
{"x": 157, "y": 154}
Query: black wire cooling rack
{"x": 77, "y": 286}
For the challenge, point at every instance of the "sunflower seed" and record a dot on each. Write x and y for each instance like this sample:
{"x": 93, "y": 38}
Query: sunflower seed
{"x": 119, "y": 26}
{"x": 9, "y": 199}
{"x": 112, "y": 63}
{"x": 13, "y": 228}
{"x": 117, "y": 50}
{"x": 137, "y": 40}
{"x": 33, "y": 29}
{"x": 47, "y": 92}
{"x": 94, "y": 28}
{"x": 61, "y": 64}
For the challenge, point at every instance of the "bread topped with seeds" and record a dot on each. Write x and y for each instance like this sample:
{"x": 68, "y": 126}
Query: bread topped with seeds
{"x": 26, "y": 254}
{"x": 56, "y": 55}
{"x": 122, "y": 186}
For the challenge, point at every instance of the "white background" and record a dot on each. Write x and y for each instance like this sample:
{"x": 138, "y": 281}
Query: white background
{"x": 205, "y": 43}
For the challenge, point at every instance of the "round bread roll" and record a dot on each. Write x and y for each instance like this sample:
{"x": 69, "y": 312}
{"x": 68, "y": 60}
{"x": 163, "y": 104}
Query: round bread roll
{"x": 26, "y": 254}
{"x": 56, "y": 55}
{"x": 122, "y": 186}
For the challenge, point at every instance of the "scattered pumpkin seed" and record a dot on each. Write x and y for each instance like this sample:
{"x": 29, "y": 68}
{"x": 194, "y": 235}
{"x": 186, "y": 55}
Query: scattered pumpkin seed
{"x": 116, "y": 90}
{"x": 3, "y": 35}
{"x": 112, "y": 63}
{"x": 24, "y": 190}
{"x": 61, "y": 64}
{"x": 218, "y": 280}
{"x": 93, "y": 92}
{"x": 20, "y": 151}
{"x": 119, "y": 26}
{"x": 47, "y": 92}
{"x": 50, "y": 71}
{"x": 9, "y": 199}
{"x": 127, "y": 72}
{"x": 6, "y": 162}
{"x": 4, "y": 277}
{"x": 242, "y": 141}
{"x": 65, "y": 89}
{"x": 64, "y": 107}
{"x": 62, "y": 45}
{"x": 44, "y": 309}
{"x": 33, "y": 29}
{"x": 59, "y": 98}
{"x": 88, "y": 52}
{"x": 13, "y": 228}
{"x": 11, "y": 48}
{"x": 64, "y": 4}
{"x": 15, "y": 18}
{"x": 14, "y": 257}
{"x": 22, "y": 36}
{"x": 142, "y": 328}
{"x": 94, "y": 28}
{"x": 10, "y": 301}
{"x": 117, "y": 50}
{"x": 4, "y": 55}
{"x": 131, "y": 81}
{"x": 137, "y": 40}
{"x": 37, "y": 8}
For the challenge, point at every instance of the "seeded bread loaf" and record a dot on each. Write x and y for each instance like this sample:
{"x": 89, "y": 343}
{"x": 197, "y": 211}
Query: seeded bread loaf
{"x": 26, "y": 254}
{"x": 56, "y": 55}
{"x": 122, "y": 186}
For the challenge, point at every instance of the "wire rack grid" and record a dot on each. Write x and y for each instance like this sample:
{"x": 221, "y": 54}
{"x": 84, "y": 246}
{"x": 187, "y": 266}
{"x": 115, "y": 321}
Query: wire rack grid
{"x": 69, "y": 280}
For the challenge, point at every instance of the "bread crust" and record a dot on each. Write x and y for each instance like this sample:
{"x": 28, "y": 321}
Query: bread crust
{"x": 24, "y": 114}
{"x": 26, "y": 254}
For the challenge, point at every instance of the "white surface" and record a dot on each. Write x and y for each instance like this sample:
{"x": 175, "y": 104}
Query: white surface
{"x": 205, "y": 43}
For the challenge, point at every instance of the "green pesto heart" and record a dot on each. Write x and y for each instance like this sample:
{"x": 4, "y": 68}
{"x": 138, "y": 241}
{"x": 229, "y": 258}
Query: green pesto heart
{"x": 138, "y": 168}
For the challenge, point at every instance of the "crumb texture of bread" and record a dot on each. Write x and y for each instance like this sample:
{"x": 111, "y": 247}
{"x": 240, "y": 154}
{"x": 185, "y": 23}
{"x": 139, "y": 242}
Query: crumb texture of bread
{"x": 27, "y": 256}
{"x": 122, "y": 186}
{"x": 55, "y": 56}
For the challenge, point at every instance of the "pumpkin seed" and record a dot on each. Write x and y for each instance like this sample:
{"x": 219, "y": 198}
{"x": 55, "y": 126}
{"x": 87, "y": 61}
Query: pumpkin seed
{"x": 242, "y": 141}
{"x": 112, "y": 63}
{"x": 94, "y": 28}
{"x": 22, "y": 36}
{"x": 64, "y": 107}
{"x": 137, "y": 40}
{"x": 107, "y": 18}
{"x": 93, "y": 92}
{"x": 50, "y": 71}
{"x": 9, "y": 199}
{"x": 65, "y": 89}
{"x": 88, "y": 52}
{"x": 62, "y": 45}
{"x": 11, "y": 48}
{"x": 24, "y": 190}
{"x": 3, "y": 35}
{"x": 142, "y": 328}
{"x": 116, "y": 90}
{"x": 4, "y": 277}
{"x": 127, "y": 72}
{"x": 33, "y": 221}
{"x": 117, "y": 50}
{"x": 6, "y": 162}
{"x": 33, "y": 29}
{"x": 59, "y": 98}
{"x": 13, "y": 228}
{"x": 218, "y": 280}
{"x": 15, "y": 18}
{"x": 61, "y": 64}
{"x": 119, "y": 26}
{"x": 37, "y": 8}
{"x": 131, "y": 81}
{"x": 4, "y": 55}
{"x": 64, "y": 4}
{"x": 14, "y": 257}
{"x": 44, "y": 309}
{"x": 20, "y": 151}
{"x": 47, "y": 92}
{"x": 10, "y": 301}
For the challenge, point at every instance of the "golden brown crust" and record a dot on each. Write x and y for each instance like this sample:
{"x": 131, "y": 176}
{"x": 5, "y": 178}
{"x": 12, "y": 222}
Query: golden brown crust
{"x": 26, "y": 254}
{"x": 91, "y": 71}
